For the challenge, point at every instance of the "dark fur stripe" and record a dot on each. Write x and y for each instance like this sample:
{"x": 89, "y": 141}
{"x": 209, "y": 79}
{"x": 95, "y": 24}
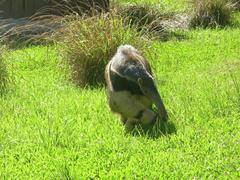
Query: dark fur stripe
{"x": 122, "y": 84}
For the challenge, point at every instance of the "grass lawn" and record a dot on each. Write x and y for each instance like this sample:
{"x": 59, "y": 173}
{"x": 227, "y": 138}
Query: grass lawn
{"x": 51, "y": 129}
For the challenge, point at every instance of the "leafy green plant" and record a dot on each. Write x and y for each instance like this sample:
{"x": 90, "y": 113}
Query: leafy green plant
{"x": 89, "y": 43}
{"x": 211, "y": 13}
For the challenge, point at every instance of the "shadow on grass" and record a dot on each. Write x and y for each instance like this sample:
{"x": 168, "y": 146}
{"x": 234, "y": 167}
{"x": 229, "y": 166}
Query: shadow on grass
{"x": 234, "y": 25}
{"x": 158, "y": 130}
{"x": 173, "y": 36}
{"x": 15, "y": 43}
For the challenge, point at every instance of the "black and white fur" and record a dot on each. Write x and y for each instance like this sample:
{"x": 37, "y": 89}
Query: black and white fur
{"x": 131, "y": 89}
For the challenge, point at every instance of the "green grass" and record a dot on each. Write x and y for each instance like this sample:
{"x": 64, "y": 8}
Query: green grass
{"x": 50, "y": 129}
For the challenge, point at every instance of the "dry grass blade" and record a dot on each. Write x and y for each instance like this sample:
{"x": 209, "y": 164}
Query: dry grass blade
{"x": 33, "y": 31}
{"x": 39, "y": 28}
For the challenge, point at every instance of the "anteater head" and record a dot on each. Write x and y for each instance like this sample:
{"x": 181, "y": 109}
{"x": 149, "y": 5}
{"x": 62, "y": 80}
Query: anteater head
{"x": 149, "y": 89}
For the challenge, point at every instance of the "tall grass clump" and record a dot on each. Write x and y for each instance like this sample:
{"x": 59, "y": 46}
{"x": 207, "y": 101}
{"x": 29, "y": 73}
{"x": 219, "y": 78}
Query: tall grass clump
{"x": 145, "y": 17}
{"x": 236, "y": 4}
{"x": 211, "y": 13}
{"x": 88, "y": 43}
{"x": 3, "y": 72}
